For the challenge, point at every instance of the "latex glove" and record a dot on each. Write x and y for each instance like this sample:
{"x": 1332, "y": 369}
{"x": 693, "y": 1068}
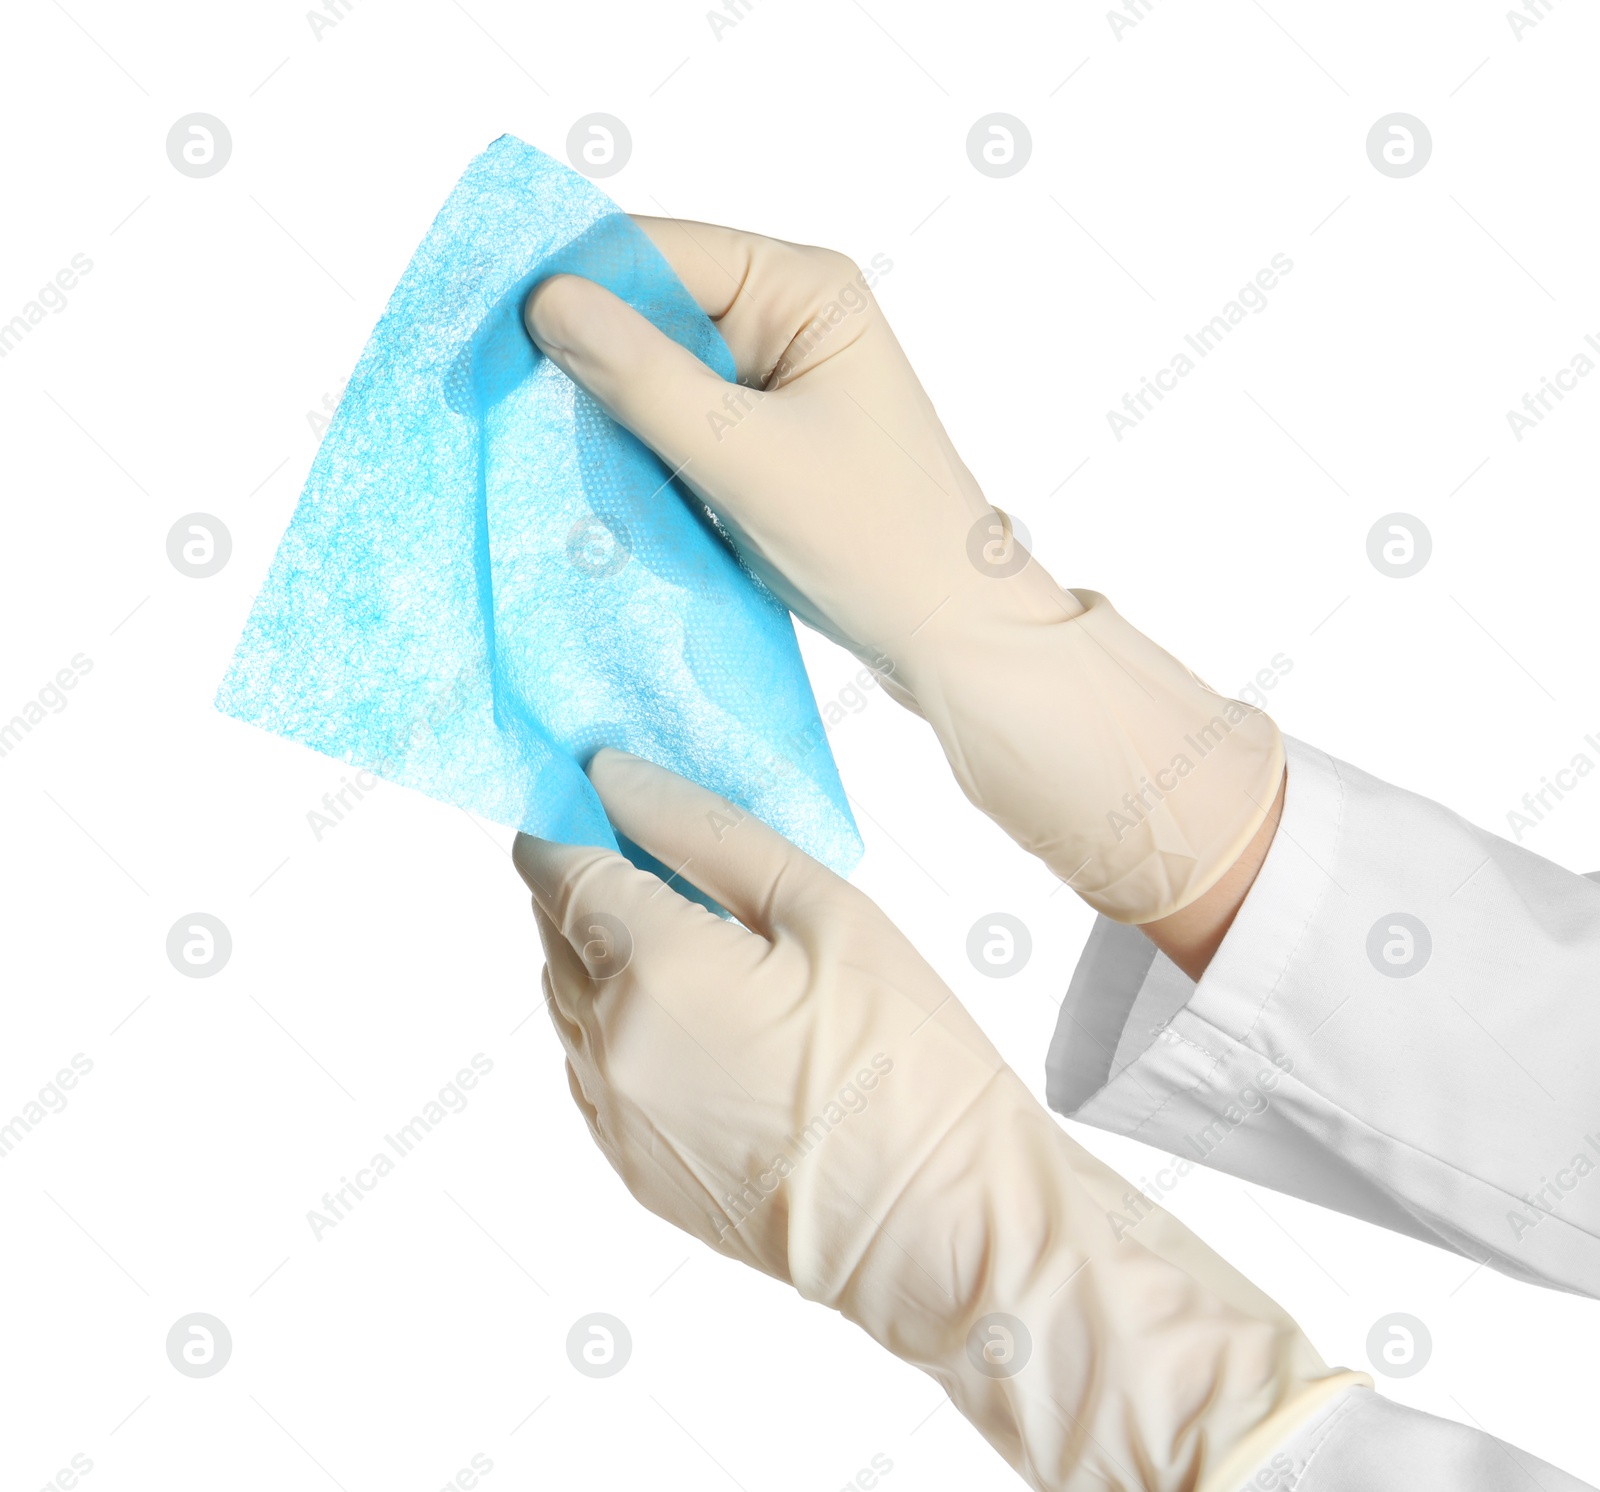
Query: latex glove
{"x": 1088, "y": 744}
{"x": 803, "y": 1094}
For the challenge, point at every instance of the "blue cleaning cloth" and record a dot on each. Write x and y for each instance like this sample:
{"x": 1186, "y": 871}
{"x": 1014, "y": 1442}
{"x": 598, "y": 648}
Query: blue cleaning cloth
{"x": 487, "y": 579}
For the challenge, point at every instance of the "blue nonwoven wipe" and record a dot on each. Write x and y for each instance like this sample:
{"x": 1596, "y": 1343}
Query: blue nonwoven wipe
{"x": 487, "y": 579}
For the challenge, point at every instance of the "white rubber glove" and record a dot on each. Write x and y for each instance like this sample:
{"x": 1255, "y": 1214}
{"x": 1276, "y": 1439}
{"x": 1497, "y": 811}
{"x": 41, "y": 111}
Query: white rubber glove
{"x": 807, "y": 1097}
{"x": 1090, "y": 746}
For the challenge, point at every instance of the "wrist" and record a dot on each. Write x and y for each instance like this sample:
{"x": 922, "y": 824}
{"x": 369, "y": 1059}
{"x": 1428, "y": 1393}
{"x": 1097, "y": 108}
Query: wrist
{"x": 1058, "y": 1301}
{"x": 1191, "y": 936}
{"x": 982, "y": 607}
{"x": 1098, "y": 751}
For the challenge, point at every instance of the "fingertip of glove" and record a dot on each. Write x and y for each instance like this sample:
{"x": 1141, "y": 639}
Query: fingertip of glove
{"x": 551, "y": 313}
{"x": 524, "y": 850}
{"x": 611, "y": 766}
{"x": 540, "y": 864}
{"x": 603, "y": 754}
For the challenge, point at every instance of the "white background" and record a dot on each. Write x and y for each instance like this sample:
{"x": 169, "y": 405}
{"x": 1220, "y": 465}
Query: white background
{"x": 368, "y": 967}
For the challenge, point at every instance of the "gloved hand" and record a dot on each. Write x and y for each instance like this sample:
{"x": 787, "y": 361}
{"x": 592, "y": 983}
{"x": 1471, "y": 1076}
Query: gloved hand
{"x": 807, "y": 1097}
{"x": 1088, "y": 744}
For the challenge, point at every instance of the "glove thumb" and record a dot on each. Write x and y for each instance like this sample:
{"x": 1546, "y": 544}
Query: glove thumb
{"x": 722, "y": 849}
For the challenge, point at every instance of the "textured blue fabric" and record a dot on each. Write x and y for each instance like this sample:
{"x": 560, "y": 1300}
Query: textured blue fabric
{"x": 486, "y": 578}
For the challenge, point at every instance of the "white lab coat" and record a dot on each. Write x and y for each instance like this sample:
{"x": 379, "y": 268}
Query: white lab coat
{"x": 1403, "y": 1024}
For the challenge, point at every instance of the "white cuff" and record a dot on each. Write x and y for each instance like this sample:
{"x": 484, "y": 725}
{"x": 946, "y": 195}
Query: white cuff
{"x": 1364, "y": 1443}
{"x": 1455, "y": 1103}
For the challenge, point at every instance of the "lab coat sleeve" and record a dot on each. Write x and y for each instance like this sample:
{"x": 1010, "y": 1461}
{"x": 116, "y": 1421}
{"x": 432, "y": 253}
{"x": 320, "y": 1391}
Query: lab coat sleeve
{"x": 1364, "y": 1443}
{"x": 1403, "y": 1023}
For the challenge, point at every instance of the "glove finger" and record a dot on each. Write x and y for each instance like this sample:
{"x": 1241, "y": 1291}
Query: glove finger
{"x": 724, "y": 440}
{"x": 763, "y": 293}
{"x": 610, "y": 913}
{"x": 568, "y": 988}
{"x": 742, "y": 450}
{"x": 667, "y": 397}
{"x": 591, "y": 1115}
{"x": 625, "y": 927}
{"x": 730, "y": 854}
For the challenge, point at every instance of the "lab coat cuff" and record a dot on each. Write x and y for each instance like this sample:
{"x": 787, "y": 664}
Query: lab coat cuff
{"x": 1134, "y": 1031}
